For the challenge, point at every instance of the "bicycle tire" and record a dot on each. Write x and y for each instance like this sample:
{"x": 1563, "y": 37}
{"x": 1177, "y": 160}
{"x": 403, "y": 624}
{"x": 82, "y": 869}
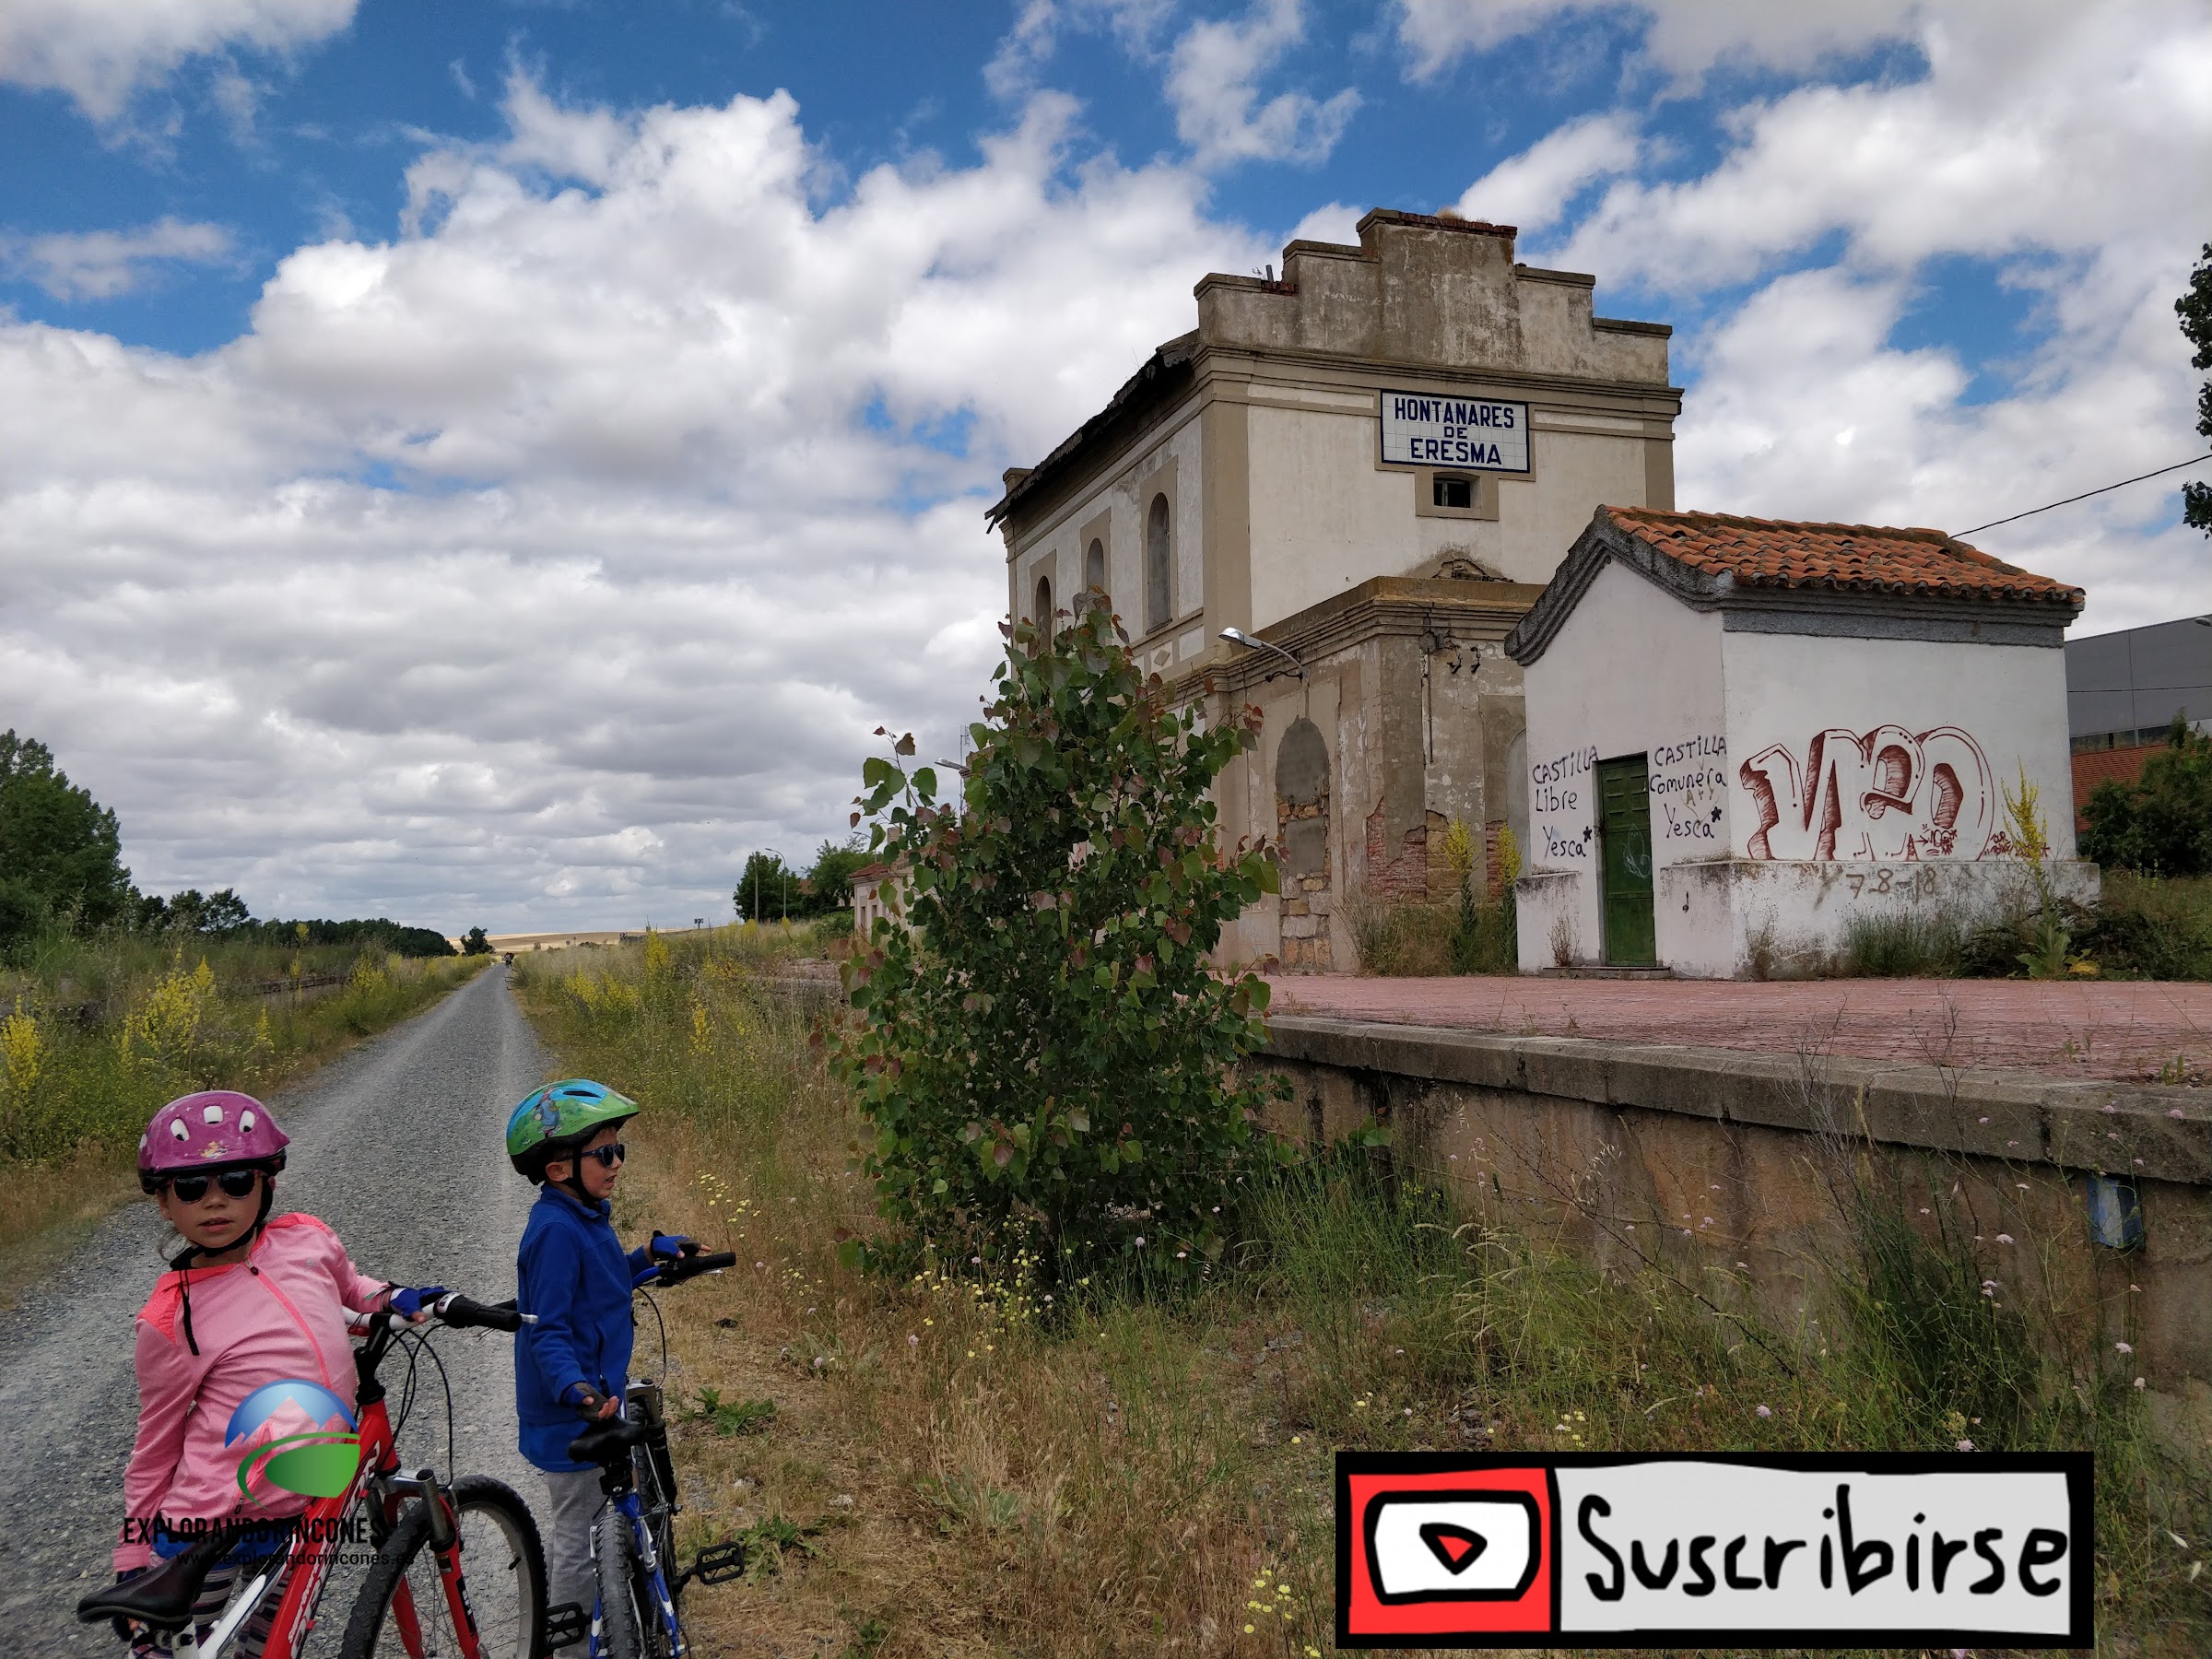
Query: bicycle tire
{"x": 508, "y": 1602}
{"x": 616, "y": 1620}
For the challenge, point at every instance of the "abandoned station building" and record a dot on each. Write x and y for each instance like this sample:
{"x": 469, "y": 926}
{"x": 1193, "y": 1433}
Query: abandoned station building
{"x": 1373, "y": 464}
{"x": 1438, "y": 491}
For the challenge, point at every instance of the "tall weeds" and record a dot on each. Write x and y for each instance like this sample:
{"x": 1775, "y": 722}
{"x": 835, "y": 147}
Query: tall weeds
{"x": 94, "y": 1038}
{"x": 957, "y": 1463}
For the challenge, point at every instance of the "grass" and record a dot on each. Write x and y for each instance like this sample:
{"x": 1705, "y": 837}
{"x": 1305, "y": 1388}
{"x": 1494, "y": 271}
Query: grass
{"x": 94, "y": 1035}
{"x": 1424, "y": 938}
{"x": 955, "y": 1464}
{"x": 2144, "y": 927}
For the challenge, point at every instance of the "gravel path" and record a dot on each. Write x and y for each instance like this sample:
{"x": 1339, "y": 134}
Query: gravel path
{"x": 397, "y": 1145}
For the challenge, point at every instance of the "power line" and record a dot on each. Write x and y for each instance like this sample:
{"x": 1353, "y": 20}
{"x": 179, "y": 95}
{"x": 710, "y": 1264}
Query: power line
{"x": 2085, "y": 494}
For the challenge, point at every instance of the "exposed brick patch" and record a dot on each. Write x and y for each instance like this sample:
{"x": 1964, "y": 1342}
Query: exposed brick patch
{"x": 1406, "y": 876}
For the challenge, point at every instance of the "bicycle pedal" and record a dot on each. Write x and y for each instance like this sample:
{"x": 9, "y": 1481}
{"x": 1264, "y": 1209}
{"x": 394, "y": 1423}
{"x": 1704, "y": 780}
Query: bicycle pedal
{"x": 718, "y": 1563}
{"x": 567, "y": 1622}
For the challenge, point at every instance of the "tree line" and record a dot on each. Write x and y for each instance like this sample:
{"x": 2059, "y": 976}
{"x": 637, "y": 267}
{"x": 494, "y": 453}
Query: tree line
{"x": 62, "y": 872}
{"x": 772, "y": 890}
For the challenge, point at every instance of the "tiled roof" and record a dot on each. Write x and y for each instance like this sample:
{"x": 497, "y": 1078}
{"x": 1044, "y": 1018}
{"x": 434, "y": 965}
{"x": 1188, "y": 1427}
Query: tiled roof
{"x": 1866, "y": 559}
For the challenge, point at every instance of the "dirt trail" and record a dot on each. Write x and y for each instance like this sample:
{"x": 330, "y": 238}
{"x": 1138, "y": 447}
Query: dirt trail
{"x": 398, "y": 1146}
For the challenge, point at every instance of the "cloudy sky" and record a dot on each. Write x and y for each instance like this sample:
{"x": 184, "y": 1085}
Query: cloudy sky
{"x": 499, "y": 463}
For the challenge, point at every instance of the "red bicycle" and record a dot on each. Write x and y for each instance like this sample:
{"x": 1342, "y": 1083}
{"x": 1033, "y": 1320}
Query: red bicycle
{"x": 416, "y": 1599}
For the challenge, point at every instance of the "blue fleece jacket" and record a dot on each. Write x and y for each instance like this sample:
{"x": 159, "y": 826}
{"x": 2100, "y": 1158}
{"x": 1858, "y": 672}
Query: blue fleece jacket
{"x": 572, "y": 1274}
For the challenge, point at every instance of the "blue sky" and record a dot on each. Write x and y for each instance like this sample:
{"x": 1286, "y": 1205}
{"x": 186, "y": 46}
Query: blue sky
{"x": 500, "y": 461}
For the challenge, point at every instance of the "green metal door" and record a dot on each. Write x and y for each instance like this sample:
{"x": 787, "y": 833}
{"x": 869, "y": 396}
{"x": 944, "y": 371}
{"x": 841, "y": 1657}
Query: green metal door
{"x": 1624, "y": 803}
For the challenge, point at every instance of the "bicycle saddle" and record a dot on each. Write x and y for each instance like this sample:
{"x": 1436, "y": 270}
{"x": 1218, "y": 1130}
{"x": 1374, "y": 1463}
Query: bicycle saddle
{"x": 606, "y": 1441}
{"x": 163, "y": 1598}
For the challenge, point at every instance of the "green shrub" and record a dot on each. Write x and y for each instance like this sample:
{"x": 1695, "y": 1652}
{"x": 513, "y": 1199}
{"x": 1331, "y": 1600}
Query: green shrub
{"x": 1040, "y": 1049}
{"x": 2151, "y": 928}
{"x": 2162, "y": 822}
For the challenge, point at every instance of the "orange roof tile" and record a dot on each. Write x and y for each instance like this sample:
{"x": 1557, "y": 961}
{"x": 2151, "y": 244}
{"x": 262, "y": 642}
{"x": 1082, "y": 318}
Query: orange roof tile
{"x": 1868, "y": 559}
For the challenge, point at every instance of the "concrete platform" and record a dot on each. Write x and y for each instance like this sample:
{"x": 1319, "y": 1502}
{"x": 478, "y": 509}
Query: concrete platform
{"x": 2126, "y": 1031}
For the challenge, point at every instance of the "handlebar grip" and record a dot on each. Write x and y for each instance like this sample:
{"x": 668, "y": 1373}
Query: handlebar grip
{"x": 462, "y": 1311}
{"x": 692, "y": 1266}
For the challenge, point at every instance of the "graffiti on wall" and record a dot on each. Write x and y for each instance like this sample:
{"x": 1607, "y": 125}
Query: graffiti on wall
{"x": 1888, "y": 793}
{"x": 1558, "y": 789}
{"x": 1689, "y": 784}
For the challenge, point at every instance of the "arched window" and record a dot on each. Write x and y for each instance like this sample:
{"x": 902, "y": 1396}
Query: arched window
{"x": 1094, "y": 572}
{"x": 1301, "y": 788}
{"x": 1043, "y": 615}
{"x": 1159, "y": 567}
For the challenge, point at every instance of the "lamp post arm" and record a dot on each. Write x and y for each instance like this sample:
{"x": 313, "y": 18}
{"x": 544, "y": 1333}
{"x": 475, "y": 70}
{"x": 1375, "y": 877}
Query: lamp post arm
{"x": 1237, "y": 636}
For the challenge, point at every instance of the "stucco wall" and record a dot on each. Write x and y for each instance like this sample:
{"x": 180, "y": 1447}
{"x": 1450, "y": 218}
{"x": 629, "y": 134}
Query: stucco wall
{"x": 1325, "y": 516}
{"x": 1174, "y": 452}
{"x": 1985, "y": 711}
{"x": 1633, "y": 671}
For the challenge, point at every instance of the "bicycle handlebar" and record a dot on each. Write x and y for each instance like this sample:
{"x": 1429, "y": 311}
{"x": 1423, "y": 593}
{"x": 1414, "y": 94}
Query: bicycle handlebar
{"x": 453, "y": 1309}
{"x": 457, "y": 1310}
{"x": 692, "y": 1266}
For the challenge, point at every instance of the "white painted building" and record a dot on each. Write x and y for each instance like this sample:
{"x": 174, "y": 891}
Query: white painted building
{"x": 874, "y": 887}
{"x": 1743, "y": 732}
{"x": 1372, "y": 463}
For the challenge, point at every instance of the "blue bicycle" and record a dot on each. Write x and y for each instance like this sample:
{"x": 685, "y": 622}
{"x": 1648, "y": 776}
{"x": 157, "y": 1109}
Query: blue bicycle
{"x": 633, "y": 1540}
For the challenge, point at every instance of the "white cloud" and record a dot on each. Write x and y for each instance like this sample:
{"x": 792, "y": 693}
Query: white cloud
{"x": 2073, "y": 156}
{"x": 99, "y": 264}
{"x": 1533, "y": 189}
{"x": 1212, "y": 83}
{"x": 2066, "y": 140}
{"x": 1683, "y": 38}
{"x": 101, "y": 51}
{"x": 601, "y": 502}
{"x": 1012, "y": 71}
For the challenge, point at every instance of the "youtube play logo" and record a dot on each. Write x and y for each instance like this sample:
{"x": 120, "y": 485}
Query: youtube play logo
{"x": 1442, "y": 1550}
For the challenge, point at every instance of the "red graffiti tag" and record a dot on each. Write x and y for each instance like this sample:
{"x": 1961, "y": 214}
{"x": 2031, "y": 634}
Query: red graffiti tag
{"x": 1888, "y": 794}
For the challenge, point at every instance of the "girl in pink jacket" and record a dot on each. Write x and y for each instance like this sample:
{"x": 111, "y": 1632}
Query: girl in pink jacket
{"x": 252, "y": 1300}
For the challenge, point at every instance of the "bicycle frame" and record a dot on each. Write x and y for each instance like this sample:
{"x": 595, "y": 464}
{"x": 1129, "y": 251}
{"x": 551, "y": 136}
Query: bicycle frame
{"x": 378, "y": 1491}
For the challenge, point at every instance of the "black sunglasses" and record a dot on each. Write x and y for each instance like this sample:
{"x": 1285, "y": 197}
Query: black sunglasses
{"x": 606, "y": 1156}
{"x": 236, "y": 1183}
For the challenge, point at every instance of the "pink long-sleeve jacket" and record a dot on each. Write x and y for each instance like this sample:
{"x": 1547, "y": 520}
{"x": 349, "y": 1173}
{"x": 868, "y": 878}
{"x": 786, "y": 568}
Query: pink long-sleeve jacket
{"x": 279, "y": 1314}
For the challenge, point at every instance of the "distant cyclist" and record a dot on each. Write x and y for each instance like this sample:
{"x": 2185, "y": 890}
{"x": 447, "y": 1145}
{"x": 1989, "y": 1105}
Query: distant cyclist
{"x": 572, "y": 1275}
{"x": 251, "y": 1300}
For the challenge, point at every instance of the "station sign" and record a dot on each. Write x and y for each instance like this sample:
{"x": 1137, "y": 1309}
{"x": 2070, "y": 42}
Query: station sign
{"x": 1473, "y": 434}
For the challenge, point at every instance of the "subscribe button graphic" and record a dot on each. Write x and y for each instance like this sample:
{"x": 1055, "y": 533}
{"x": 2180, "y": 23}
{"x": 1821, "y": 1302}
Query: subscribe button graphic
{"x": 1588, "y": 1550}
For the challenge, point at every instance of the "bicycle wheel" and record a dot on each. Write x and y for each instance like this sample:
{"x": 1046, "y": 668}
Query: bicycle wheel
{"x": 618, "y": 1627}
{"x": 402, "y": 1608}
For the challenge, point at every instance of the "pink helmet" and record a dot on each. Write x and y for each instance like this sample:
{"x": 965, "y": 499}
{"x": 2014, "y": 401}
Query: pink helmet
{"x": 217, "y": 1129}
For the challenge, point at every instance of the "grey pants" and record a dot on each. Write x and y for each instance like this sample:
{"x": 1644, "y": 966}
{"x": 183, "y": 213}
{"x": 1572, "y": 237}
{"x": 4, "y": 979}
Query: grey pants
{"x": 572, "y": 1500}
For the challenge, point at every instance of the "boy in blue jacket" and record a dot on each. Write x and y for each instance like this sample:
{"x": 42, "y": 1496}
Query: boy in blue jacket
{"x": 572, "y": 1365}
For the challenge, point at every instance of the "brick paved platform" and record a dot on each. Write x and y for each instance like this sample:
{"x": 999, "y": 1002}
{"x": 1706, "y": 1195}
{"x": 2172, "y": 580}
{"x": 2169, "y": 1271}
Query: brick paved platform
{"x": 2136, "y": 1031}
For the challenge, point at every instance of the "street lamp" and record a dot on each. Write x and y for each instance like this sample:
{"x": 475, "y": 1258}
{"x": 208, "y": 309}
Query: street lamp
{"x": 1237, "y": 636}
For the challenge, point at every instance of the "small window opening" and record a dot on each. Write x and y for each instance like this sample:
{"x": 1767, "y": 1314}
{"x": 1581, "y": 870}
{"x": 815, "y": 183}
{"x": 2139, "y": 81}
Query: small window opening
{"x": 1453, "y": 493}
{"x": 1043, "y": 612}
{"x": 1159, "y": 567}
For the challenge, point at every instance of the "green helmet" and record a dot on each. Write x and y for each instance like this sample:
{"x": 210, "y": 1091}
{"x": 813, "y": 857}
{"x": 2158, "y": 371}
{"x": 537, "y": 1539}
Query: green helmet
{"x": 560, "y": 1118}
